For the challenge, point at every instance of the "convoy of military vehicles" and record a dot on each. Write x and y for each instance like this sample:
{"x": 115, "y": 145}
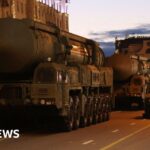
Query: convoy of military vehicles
{"x": 50, "y": 72}
{"x": 56, "y": 70}
{"x": 131, "y": 65}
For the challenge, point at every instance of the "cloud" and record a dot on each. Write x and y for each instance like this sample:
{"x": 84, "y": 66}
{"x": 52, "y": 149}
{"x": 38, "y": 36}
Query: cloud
{"x": 141, "y": 29}
{"x": 104, "y": 37}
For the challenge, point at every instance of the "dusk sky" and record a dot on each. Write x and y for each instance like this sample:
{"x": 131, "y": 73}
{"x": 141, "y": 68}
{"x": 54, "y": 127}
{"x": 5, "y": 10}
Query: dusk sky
{"x": 102, "y": 20}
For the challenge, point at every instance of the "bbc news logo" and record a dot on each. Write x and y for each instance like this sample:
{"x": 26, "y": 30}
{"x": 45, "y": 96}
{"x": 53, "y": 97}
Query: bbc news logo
{"x": 8, "y": 134}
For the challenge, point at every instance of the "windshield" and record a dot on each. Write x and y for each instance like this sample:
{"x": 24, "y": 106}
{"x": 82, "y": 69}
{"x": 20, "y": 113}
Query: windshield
{"x": 45, "y": 75}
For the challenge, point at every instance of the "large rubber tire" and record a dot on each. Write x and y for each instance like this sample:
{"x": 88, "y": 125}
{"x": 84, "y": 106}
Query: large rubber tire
{"x": 90, "y": 111}
{"x": 89, "y": 120}
{"x": 76, "y": 123}
{"x": 100, "y": 117}
{"x": 84, "y": 117}
{"x": 107, "y": 116}
{"x": 69, "y": 120}
{"x": 95, "y": 119}
{"x": 83, "y": 122}
{"x": 104, "y": 116}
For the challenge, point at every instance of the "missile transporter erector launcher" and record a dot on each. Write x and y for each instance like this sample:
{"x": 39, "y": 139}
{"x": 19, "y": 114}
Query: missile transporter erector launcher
{"x": 53, "y": 73}
{"x": 131, "y": 72}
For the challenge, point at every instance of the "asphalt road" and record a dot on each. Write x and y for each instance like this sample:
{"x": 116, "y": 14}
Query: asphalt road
{"x": 125, "y": 131}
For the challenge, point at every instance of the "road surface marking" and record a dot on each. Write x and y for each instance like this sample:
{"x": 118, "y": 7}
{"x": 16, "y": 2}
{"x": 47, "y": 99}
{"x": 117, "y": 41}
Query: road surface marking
{"x": 124, "y": 138}
{"x": 88, "y": 142}
{"x": 114, "y": 131}
{"x": 133, "y": 123}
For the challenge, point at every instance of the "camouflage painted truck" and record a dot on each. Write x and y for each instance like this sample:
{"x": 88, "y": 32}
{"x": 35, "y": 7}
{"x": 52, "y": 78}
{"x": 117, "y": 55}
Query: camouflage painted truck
{"x": 47, "y": 72}
{"x": 131, "y": 65}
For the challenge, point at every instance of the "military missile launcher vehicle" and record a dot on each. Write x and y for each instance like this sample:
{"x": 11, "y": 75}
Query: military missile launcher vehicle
{"x": 131, "y": 72}
{"x": 46, "y": 71}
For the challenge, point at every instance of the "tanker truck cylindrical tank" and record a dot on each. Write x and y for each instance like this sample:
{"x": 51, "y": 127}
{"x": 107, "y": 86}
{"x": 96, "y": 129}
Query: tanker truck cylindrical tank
{"x": 21, "y": 46}
{"x": 78, "y": 54}
{"x": 124, "y": 67}
{"x": 24, "y": 43}
{"x": 16, "y": 46}
{"x": 83, "y": 54}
